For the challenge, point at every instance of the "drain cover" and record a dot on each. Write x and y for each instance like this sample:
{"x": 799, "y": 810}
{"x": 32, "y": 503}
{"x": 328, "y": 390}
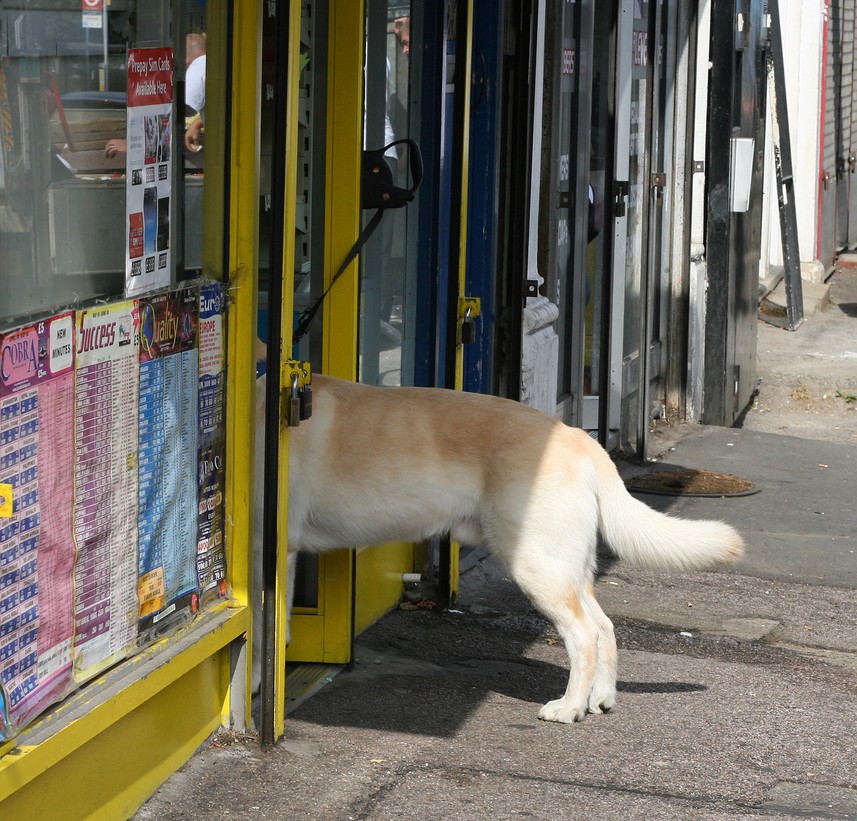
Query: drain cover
{"x": 691, "y": 482}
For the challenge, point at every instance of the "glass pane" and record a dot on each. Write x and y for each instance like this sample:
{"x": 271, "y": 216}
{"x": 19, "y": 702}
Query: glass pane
{"x": 63, "y": 82}
{"x": 309, "y": 267}
{"x": 387, "y": 268}
{"x": 635, "y": 249}
{"x": 568, "y": 161}
{"x": 595, "y": 254}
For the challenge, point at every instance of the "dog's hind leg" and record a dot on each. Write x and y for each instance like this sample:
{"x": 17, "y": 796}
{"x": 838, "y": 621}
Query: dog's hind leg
{"x": 580, "y": 635}
{"x": 559, "y": 595}
{"x": 602, "y": 697}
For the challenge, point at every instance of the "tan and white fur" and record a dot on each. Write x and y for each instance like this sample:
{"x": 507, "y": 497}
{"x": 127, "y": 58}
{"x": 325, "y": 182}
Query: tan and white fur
{"x": 375, "y": 465}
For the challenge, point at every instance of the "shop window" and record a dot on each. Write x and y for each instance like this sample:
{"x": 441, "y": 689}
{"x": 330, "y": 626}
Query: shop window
{"x": 63, "y": 119}
{"x": 112, "y": 435}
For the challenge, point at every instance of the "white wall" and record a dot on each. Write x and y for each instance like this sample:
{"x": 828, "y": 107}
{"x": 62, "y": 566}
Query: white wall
{"x": 802, "y": 30}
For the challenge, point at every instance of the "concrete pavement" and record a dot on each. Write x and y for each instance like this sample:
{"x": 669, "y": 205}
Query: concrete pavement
{"x": 737, "y": 689}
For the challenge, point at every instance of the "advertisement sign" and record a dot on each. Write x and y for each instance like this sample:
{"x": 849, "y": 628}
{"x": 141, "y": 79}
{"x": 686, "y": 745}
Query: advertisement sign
{"x": 112, "y": 481}
{"x": 211, "y": 547}
{"x": 105, "y": 482}
{"x": 148, "y": 172}
{"x": 36, "y": 548}
{"x": 169, "y": 425}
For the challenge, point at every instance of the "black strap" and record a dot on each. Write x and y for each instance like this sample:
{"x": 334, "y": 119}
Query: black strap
{"x": 309, "y": 313}
{"x": 393, "y": 197}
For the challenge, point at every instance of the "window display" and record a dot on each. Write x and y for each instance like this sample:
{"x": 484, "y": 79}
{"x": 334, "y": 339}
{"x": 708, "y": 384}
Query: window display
{"x": 64, "y": 153}
{"x": 112, "y": 348}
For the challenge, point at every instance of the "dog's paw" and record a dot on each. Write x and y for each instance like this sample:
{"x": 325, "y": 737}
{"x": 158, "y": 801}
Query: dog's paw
{"x": 562, "y": 712}
{"x": 602, "y": 702}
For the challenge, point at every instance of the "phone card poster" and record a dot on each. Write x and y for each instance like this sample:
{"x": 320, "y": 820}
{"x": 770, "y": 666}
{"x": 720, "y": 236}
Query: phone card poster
{"x": 105, "y": 478}
{"x": 148, "y": 171}
{"x": 169, "y": 433}
{"x": 211, "y": 547}
{"x": 36, "y": 548}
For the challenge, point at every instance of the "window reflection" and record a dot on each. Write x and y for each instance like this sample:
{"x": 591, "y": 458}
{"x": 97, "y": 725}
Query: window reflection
{"x": 387, "y": 271}
{"x": 62, "y": 151}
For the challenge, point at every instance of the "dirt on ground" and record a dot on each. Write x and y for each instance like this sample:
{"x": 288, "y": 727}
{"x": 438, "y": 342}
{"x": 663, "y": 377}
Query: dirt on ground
{"x": 808, "y": 377}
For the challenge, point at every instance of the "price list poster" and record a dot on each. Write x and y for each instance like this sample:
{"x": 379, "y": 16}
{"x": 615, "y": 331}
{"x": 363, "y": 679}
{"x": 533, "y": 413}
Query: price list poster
{"x": 168, "y": 445}
{"x": 105, "y": 478}
{"x": 36, "y": 546}
{"x": 211, "y": 548}
{"x": 148, "y": 169}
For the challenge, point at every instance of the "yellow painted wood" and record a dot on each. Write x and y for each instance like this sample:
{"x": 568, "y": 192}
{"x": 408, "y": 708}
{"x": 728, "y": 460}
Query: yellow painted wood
{"x": 465, "y": 49}
{"x": 342, "y": 226}
{"x": 378, "y": 581}
{"x": 307, "y": 636}
{"x": 242, "y": 318}
{"x": 106, "y": 717}
{"x": 286, "y": 320}
{"x": 342, "y": 203}
{"x": 111, "y": 775}
{"x": 337, "y": 622}
{"x": 308, "y": 624}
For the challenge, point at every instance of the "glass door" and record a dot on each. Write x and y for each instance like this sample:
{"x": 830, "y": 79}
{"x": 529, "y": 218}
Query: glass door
{"x": 646, "y": 185}
{"x": 388, "y": 268}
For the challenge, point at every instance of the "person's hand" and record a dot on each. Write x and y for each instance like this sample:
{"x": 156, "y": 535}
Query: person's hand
{"x": 193, "y": 135}
{"x": 114, "y": 147}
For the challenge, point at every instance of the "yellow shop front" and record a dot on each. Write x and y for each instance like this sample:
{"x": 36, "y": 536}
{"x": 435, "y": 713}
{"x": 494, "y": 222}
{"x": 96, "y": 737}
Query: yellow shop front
{"x": 362, "y": 70}
{"x": 127, "y": 303}
{"x": 153, "y": 227}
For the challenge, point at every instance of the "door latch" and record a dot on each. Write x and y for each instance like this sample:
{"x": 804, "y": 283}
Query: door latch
{"x": 620, "y": 191}
{"x": 659, "y": 182}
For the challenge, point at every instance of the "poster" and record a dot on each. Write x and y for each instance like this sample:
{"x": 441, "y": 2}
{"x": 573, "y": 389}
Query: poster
{"x": 210, "y": 546}
{"x": 36, "y": 545}
{"x": 169, "y": 426}
{"x": 105, "y": 482}
{"x": 112, "y": 517}
{"x": 148, "y": 172}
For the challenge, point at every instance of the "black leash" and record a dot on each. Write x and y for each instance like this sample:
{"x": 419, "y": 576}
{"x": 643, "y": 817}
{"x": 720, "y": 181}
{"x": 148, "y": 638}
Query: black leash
{"x": 377, "y": 191}
{"x": 308, "y": 314}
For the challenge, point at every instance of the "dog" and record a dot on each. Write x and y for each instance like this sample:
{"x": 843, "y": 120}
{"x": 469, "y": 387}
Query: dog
{"x": 375, "y": 465}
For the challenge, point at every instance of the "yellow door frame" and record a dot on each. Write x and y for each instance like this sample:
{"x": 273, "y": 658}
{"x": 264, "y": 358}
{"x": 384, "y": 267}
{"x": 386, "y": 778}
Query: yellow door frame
{"x": 357, "y": 587}
{"x": 464, "y": 52}
{"x": 290, "y": 143}
{"x": 324, "y": 634}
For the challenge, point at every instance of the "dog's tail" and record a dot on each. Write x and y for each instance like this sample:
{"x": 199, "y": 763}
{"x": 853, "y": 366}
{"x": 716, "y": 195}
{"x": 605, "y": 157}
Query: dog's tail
{"x": 636, "y": 532}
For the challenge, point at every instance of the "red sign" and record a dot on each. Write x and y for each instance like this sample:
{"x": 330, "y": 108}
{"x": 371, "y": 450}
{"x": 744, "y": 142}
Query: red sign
{"x": 150, "y": 76}
{"x": 92, "y": 5}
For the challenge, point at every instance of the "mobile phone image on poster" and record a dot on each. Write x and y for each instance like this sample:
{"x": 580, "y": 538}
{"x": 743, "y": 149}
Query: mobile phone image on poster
{"x": 150, "y": 219}
{"x": 148, "y": 173}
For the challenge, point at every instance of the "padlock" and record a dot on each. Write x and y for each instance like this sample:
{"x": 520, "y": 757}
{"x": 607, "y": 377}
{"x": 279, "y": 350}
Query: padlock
{"x": 295, "y": 403}
{"x": 305, "y": 396}
{"x": 468, "y": 328}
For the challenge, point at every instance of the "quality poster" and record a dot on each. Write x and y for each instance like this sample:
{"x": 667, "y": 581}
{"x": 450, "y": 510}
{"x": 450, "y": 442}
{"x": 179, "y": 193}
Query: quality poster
{"x": 105, "y": 479}
{"x": 36, "y": 548}
{"x": 169, "y": 433}
{"x": 148, "y": 171}
{"x": 211, "y": 547}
